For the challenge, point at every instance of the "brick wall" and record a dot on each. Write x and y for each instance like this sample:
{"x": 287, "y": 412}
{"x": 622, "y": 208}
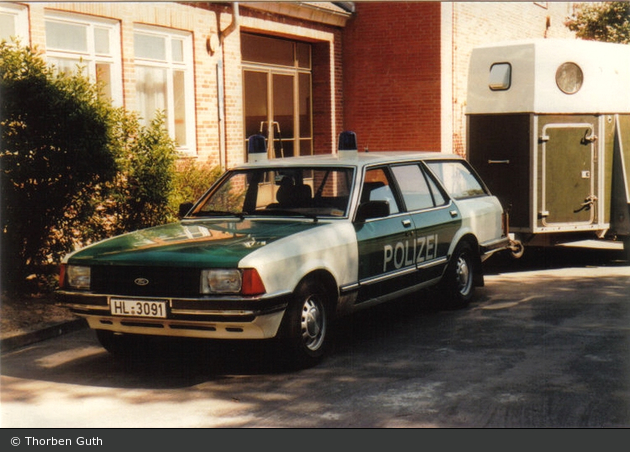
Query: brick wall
{"x": 220, "y": 141}
{"x": 201, "y": 24}
{"x": 392, "y": 75}
{"x": 390, "y": 89}
{"x": 393, "y": 94}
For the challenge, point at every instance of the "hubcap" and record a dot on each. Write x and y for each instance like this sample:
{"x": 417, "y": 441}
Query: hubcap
{"x": 312, "y": 324}
{"x": 463, "y": 275}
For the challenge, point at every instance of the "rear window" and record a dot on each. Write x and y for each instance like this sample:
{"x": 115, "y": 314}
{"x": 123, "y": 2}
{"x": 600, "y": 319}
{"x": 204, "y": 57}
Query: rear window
{"x": 459, "y": 180}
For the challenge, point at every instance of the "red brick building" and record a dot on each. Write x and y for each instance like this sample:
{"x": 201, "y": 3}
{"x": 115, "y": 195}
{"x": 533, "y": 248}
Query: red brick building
{"x": 297, "y": 73}
{"x": 406, "y": 65}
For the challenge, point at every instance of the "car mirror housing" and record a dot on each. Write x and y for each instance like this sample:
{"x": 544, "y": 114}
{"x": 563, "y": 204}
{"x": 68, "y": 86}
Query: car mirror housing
{"x": 372, "y": 209}
{"x": 184, "y": 208}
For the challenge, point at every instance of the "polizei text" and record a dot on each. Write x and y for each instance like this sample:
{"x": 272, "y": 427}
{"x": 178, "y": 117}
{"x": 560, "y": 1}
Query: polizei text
{"x": 409, "y": 252}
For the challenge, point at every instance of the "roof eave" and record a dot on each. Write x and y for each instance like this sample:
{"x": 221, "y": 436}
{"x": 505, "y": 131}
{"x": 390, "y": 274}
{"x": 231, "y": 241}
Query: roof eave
{"x": 328, "y": 13}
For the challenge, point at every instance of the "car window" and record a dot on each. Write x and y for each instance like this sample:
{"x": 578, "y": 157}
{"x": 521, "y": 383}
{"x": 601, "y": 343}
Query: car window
{"x": 438, "y": 193}
{"x": 417, "y": 192}
{"x": 458, "y": 179}
{"x": 279, "y": 191}
{"x": 377, "y": 187}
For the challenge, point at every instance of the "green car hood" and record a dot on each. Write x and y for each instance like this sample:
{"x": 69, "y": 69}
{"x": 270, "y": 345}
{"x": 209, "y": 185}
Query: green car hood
{"x": 207, "y": 243}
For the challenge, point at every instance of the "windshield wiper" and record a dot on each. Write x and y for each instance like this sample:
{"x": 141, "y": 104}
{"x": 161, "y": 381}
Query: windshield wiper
{"x": 219, "y": 213}
{"x": 287, "y": 212}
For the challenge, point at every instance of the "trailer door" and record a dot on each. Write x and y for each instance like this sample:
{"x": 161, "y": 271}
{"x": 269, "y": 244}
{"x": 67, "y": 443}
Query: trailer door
{"x": 568, "y": 175}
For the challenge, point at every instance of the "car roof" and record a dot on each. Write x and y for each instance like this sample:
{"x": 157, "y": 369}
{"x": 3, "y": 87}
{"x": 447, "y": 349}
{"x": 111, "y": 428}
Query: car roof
{"x": 351, "y": 158}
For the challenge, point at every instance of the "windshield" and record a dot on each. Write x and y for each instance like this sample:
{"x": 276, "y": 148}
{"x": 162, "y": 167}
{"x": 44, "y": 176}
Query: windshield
{"x": 310, "y": 192}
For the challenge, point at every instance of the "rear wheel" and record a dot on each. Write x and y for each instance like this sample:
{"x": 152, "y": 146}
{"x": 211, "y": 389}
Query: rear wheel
{"x": 305, "y": 326}
{"x": 459, "y": 280}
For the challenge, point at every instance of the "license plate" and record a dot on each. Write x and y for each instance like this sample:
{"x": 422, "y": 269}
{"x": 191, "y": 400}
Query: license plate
{"x": 138, "y": 308}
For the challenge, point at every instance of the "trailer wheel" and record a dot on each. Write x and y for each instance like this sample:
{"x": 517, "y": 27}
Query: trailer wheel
{"x": 626, "y": 249}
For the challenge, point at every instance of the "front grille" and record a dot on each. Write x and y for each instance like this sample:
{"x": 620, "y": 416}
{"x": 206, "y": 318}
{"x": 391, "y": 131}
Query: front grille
{"x": 146, "y": 281}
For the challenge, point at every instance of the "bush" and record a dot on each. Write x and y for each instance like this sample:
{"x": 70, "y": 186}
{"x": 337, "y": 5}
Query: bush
{"x": 55, "y": 149}
{"x": 73, "y": 168}
{"x": 140, "y": 195}
{"x": 192, "y": 180}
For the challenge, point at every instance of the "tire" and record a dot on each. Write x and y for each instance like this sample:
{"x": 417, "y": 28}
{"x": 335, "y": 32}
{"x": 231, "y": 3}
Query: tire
{"x": 306, "y": 324}
{"x": 458, "y": 284}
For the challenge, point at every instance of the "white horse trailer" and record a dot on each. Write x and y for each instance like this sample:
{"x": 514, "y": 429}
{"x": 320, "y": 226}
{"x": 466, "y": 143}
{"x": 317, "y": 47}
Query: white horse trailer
{"x": 548, "y": 129}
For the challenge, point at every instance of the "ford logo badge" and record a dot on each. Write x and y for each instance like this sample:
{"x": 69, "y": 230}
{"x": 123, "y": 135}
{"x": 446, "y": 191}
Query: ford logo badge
{"x": 141, "y": 281}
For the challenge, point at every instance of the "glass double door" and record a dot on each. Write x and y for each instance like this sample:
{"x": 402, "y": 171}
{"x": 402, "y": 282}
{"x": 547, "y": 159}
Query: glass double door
{"x": 277, "y": 106}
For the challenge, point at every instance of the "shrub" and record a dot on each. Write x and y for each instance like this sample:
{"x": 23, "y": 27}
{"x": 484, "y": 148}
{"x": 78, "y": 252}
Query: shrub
{"x": 73, "y": 168}
{"x": 140, "y": 195}
{"x": 192, "y": 180}
{"x": 55, "y": 149}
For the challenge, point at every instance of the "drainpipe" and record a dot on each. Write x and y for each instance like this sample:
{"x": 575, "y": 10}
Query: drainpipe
{"x": 220, "y": 85}
{"x": 233, "y": 26}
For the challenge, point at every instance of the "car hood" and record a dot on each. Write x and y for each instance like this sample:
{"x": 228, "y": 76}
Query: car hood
{"x": 208, "y": 243}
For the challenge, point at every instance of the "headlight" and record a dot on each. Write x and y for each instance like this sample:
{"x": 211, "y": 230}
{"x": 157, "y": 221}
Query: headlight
{"x": 221, "y": 281}
{"x": 246, "y": 281}
{"x": 77, "y": 277}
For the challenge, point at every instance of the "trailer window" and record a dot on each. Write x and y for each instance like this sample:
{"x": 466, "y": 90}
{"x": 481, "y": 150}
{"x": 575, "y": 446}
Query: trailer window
{"x": 500, "y": 78}
{"x": 569, "y": 78}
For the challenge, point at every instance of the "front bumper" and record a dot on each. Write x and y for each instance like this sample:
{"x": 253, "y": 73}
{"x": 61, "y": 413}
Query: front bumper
{"x": 225, "y": 318}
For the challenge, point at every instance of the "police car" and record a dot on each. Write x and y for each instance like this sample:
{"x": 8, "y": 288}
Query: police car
{"x": 280, "y": 248}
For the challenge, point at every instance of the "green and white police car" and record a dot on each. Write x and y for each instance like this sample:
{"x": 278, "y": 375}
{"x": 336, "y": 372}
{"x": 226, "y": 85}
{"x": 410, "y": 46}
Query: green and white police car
{"x": 279, "y": 248}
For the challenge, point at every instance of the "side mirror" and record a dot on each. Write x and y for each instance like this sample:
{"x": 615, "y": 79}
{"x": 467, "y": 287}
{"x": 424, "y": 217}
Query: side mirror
{"x": 184, "y": 208}
{"x": 372, "y": 209}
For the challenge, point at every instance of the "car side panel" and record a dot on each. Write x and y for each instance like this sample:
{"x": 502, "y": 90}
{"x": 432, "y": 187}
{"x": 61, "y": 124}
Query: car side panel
{"x": 435, "y": 229}
{"x": 330, "y": 247}
{"x": 386, "y": 256}
{"x": 483, "y": 217}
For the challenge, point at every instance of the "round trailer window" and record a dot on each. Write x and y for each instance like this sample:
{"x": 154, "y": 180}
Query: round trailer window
{"x": 569, "y": 78}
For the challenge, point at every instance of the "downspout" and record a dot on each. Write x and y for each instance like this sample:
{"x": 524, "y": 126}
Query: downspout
{"x": 233, "y": 26}
{"x": 221, "y": 87}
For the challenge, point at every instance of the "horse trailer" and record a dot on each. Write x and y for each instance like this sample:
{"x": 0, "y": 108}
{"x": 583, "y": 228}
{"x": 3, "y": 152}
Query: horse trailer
{"x": 548, "y": 129}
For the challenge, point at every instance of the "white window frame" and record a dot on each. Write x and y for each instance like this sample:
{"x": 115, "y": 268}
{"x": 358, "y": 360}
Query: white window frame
{"x": 19, "y": 13}
{"x": 90, "y": 58}
{"x": 170, "y": 66}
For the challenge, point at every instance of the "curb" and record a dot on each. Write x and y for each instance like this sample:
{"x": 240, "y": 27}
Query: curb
{"x": 12, "y": 343}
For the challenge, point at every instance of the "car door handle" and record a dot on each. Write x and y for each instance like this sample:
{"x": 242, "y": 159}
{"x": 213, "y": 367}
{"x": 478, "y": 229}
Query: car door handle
{"x": 453, "y": 213}
{"x": 406, "y": 223}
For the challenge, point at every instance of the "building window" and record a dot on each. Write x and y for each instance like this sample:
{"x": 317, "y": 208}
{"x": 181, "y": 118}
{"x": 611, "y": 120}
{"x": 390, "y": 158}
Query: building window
{"x": 92, "y": 45}
{"x": 14, "y": 23}
{"x": 278, "y": 94}
{"x": 164, "y": 81}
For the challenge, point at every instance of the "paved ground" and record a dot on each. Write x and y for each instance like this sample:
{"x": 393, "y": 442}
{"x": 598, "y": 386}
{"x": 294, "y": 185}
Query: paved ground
{"x": 544, "y": 345}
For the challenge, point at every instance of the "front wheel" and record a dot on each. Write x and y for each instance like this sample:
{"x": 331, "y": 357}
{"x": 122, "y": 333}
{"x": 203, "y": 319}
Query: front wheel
{"x": 306, "y": 324}
{"x": 459, "y": 279}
